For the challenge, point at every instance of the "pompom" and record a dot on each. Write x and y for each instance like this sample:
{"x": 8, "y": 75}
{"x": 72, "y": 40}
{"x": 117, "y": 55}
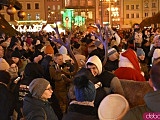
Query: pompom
{"x": 81, "y": 81}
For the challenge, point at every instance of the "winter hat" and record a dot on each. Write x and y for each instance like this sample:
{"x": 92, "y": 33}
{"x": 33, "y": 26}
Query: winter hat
{"x": 16, "y": 53}
{"x": 97, "y": 62}
{"x": 111, "y": 51}
{"x": 38, "y": 86}
{"x": 113, "y": 107}
{"x": 131, "y": 56}
{"x": 140, "y": 52}
{"x": 49, "y": 50}
{"x": 156, "y": 53}
{"x": 63, "y": 50}
{"x": 84, "y": 89}
{"x": 3, "y": 64}
{"x": 97, "y": 43}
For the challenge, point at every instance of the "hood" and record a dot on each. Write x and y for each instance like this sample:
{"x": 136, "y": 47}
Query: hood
{"x": 152, "y": 99}
{"x": 97, "y": 62}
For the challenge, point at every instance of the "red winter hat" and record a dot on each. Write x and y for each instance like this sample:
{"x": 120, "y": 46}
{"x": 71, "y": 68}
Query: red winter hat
{"x": 131, "y": 55}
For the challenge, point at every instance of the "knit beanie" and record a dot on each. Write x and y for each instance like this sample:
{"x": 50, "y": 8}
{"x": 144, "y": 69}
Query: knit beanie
{"x": 113, "y": 107}
{"x": 84, "y": 89}
{"x": 111, "y": 51}
{"x": 16, "y": 53}
{"x": 38, "y": 86}
{"x": 97, "y": 43}
{"x": 49, "y": 50}
{"x": 140, "y": 52}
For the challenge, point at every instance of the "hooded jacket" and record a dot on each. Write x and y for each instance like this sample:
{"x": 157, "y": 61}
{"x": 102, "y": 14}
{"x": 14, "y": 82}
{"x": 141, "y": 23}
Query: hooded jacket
{"x": 152, "y": 100}
{"x": 110, "y": 82}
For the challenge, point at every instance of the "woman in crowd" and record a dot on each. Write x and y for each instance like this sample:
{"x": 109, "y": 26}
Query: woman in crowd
{"x": 36, "y": 105}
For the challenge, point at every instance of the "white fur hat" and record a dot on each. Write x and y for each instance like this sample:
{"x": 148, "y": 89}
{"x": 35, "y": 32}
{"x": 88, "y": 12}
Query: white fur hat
{"x": 113, "y": 107}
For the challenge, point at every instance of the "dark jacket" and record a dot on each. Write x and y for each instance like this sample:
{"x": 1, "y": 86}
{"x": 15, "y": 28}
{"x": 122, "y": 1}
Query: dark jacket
{"x": 80, "y": 112}
{"x": 46, "y": 64}
{"x": 36, "y": 109}
{"x": 6, "y": 103}
{"x": 152, "y": 100}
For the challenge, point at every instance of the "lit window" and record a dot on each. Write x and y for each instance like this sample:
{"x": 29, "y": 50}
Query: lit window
{"x": 58, "y": 7}
{"x": 29, "y": 16}
{"x": 37, "y": 16}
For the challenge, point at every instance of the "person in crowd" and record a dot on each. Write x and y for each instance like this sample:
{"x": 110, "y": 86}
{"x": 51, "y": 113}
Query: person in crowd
{"x": 156, "y": 56}
{"x": 59, "y": 81}
{"x": 144, "y": 67}
{"x": 82, "y": 108}
{"x": 35, "y": 104}
{"x": 3, "y": 63}
{"x": 106, "y": 81}
{"x": 21, "y": 62}
{"x": 46, "y": 61}
{"x": 113, "y": 107}
{"x": 112, "y": 61}
{"x": 129, "y": 67}
{"x": 6, "y": 97}
{"x": 152, "y": 99}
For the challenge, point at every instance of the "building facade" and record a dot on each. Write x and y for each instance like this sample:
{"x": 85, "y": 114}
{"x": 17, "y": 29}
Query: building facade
{"x": 134, "y": 11}
{"x": 53, "y": 10}
{"x": 34, "y": 10}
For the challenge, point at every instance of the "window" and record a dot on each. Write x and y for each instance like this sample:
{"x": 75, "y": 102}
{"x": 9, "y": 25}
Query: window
{"x": 49, "y": 8}
{"x": 36, "y": 5}
{"x": 146, "y": 14}
{"x": 54, "y": 8}
{"x": 153, "y": 5}
{"x": 29, "y": 17}
{"x": 118, "y": 2}
{"x": 132, "y": 7}
{"x": 28, "y": 6}
{"x": 58, "y": 7}
{"x": 132, "y": 15}
{"x": 137, "y": 15}
{"x": 127, "y": 7}
{"x": 153, "y": 13}
{"x": 37, "y": 16}
{"x": 137, "y": 6}
{"x": 146, "y": 5}
{"x": 127, "y": 15}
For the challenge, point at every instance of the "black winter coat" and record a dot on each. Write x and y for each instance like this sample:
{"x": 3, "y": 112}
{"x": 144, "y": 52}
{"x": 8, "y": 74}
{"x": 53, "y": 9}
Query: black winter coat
{"x": 36, "y": 109}
{"x": 6, "y": 103}
{"x": 80, "y": 112}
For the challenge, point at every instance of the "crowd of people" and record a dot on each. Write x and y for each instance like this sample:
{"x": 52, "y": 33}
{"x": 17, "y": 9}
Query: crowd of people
{"x": 36, "y": 80}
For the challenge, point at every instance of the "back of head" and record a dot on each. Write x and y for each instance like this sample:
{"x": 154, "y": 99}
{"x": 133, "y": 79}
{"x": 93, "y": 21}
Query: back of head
{"x": 154, "y": 75}
{"x": 84, "y": 89}
{"x": 4, "y": 77}
{"x": 113, "y": 107}
{"x": 33, "y": 70}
